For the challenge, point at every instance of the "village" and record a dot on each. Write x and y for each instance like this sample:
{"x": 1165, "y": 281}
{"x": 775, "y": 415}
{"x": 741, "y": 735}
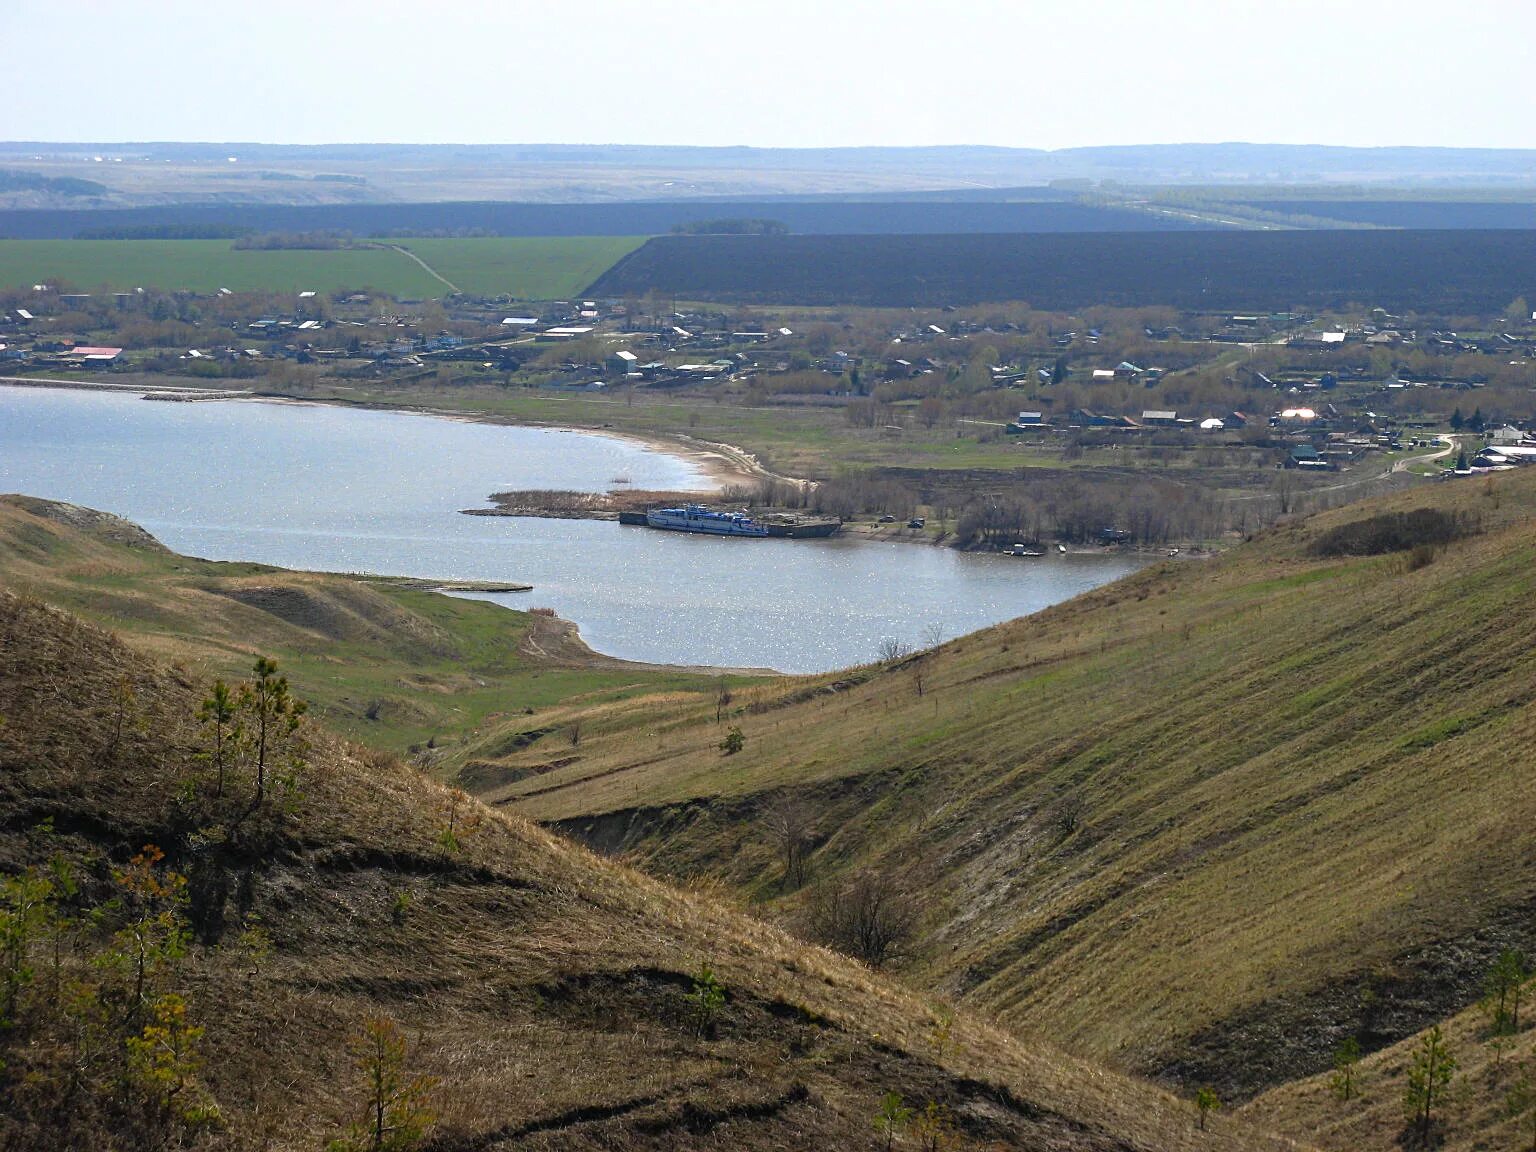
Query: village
{"x": 1311, "y": 393}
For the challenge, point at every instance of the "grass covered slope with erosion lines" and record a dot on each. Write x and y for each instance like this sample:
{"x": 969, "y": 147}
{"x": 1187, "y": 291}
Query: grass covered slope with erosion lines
{"x": 1202, "y": 822}
{"x": 1488, "y": 1102}
{"x": 1450, "y": 272}
{"x": 518, "y": 991}
{"x": 380, "y": 661}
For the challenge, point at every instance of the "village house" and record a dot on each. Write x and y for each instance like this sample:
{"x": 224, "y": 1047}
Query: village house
{"x": 1307, "y": 458}
{"x": 1507, "y": 434}
{"x": 1294, "y": 417}
{"x": 93, "y": 355}
{"x": 1087, "y": 418}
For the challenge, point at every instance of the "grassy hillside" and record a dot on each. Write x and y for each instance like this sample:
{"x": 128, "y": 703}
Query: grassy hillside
{"x": 1203, "y": 822}
{"x": 1488, "y": 1102}
{"x": 381, "y": 661}
{"x": 552, "y": 997}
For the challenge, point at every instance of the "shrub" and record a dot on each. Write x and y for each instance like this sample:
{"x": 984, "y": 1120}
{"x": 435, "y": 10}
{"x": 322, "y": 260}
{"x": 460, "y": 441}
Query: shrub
{"x": 398, "y": 1110}
{"x": 869, "y": 915}
{"x": 1206, "y": 1102}
{"x": 1397, "y": 532}
{"x": 708, "y": 1001}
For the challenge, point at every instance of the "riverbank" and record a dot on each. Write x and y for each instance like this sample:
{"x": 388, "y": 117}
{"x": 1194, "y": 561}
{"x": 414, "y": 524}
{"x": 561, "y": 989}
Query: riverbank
{"x": 722, "y": 465}
{"x": 555, "y": 642}
{"x": 190, "y": 392}
{"x": 419, "y": 584}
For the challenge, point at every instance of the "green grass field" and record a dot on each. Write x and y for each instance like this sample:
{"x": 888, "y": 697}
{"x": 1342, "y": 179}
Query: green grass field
{"x": 207, "y": 266}
{"x": 538, "y": 267}
{"x": 388, "y": 665}
{"x": 528, "y": 267}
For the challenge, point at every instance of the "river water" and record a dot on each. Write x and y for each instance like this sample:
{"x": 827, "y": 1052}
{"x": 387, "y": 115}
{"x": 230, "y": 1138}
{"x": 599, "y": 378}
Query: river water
{"x": 343, "y": 490}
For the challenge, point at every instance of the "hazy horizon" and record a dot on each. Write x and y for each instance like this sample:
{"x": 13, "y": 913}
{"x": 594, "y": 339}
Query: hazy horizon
{"x": 659, "y": 145}
{"x": 790, "y": 74}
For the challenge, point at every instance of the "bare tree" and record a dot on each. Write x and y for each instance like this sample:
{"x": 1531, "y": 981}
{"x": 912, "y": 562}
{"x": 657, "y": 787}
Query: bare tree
{"x": 893, "y": 650}
{"x": 919, "y": 664}
{"x": 789, "y": 823}
{"x": 1285, "y": 492}
{"x": 868, "y": 915}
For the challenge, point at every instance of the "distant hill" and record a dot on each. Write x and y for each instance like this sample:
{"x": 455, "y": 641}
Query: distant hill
{"x": 1234, "y": 162}
{"x": 151, "y": 173}
{"x": 1420, "y": 214}
{"x": 821, "y": 216}
{"x": 12, "y": 180}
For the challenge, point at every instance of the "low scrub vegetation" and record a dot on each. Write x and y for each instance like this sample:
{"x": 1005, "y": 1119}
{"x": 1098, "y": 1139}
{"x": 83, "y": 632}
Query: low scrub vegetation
{"x": 1397, "y": 532}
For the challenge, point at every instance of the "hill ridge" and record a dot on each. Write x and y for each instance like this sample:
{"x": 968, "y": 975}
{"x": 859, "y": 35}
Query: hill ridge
{"x": 549, "y": 990}
{"x": 1110, "y": 811}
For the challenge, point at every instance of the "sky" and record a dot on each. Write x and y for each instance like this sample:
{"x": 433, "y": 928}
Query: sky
{"x": 785, "y": 73}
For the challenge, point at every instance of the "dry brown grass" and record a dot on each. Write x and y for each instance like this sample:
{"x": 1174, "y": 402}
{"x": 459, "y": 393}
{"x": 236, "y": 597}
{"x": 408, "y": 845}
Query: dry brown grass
{"x": 1476, "y": 1113}
{"x": 547, "y": 988}
{"x": 1297, "y": 781}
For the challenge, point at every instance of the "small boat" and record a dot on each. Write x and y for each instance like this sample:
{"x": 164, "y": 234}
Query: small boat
{"x": 1062, "y": 548}
{"x": 1022, "y": 550}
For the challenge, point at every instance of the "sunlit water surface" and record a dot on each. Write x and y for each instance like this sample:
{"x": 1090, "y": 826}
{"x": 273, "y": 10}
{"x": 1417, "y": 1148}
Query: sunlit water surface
{"x": 336, "y": 489}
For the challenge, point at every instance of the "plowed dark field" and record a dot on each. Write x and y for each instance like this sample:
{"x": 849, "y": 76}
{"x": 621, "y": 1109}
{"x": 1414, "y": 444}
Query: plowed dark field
{"x": 1438, "y": 271}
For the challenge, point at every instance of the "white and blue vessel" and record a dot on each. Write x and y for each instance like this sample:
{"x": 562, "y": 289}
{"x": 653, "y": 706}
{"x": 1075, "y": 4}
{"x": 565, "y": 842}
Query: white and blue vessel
{"x": 697, "y": 518}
